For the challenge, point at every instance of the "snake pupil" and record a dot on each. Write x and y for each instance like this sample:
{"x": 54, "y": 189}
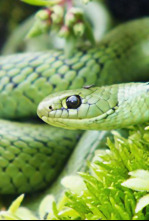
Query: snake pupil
{"x": 73, "y": 102}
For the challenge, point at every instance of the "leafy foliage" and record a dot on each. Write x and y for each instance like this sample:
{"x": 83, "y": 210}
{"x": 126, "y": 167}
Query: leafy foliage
{"x": 106, "y": 193}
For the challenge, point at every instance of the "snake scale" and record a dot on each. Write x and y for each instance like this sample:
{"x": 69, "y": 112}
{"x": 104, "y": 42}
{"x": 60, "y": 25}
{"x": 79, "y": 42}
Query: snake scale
{"x": 32, "y": 154}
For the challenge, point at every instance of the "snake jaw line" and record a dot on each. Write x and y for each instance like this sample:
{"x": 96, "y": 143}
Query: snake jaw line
{"x": 78, "y": 123}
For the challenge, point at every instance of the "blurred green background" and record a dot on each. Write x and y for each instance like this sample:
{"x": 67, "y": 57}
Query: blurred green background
{"x": 12, "y": 12}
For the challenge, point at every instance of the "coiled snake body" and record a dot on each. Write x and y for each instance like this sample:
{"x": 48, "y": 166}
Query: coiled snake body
{"x": 32, "y": 154}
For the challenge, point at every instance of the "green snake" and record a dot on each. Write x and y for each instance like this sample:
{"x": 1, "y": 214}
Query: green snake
{"x": 32, "y": 154}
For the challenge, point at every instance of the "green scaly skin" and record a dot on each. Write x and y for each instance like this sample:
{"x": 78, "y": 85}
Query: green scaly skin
{"x": 31, "y": 155}
{"x": 102, "y": 108}
{"x": 26, "y": 79}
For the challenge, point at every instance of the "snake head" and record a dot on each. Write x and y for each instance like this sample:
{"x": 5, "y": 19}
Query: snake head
{"x": 78, "y": 109}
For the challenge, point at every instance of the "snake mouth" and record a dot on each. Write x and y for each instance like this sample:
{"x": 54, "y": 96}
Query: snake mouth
{"x": 42, "y": 110}
{"x": 78, "y": 124}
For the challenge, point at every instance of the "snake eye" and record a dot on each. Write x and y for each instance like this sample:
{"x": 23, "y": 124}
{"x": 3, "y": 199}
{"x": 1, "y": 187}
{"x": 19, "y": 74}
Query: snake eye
{"x": 73, "y": 102}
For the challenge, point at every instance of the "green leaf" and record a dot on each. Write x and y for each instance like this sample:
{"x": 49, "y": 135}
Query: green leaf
{"x": 89, "y": 33}
{"x": 137, "y": 184}
{"x": 37, "y": 29}
{"x": 70, "y": 46}
{"x": 140, "y": 174}
{"x": 55, "y": 210}
{"x": 7, "y": 216}
{"x": 16, "y": 204}
{"x": 41, "y": 2}
{"x": 46, "y": 206}
{"x": 25, "y": 214}
{"x": 74, "y": 183}
{"x": 143, "y": 202}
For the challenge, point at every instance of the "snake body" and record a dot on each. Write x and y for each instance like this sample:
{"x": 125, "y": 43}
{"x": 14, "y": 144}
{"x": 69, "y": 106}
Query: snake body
{"x": 30, "y": 157}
